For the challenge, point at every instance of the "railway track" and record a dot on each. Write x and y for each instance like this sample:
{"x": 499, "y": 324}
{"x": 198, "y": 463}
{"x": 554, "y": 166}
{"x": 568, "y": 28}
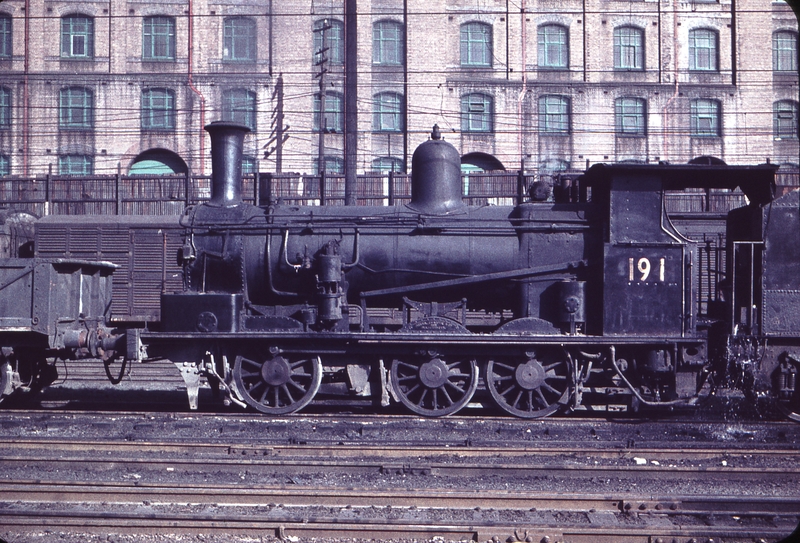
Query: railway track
{"x": 107, "y": 486}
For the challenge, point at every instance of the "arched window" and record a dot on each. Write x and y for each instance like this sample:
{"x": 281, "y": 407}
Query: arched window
{"x": 329, "y": 33}
{"x": 75, "y": 109}
{"x": 630, "y": 116}
{"x": 239, "y": 39}
{"x": 387, "y": 43}
{"x": 628, "y": 48}
{"x": 554, "y": 114}
{"x": 387, "y": 112}
{"x": 476, "y": 45}
{"x": 5, "y": 108}
{"x": 784, "y": 51}
{"x": 239, "y": 106}
{"x": 5, "y": 36}
{"x": 704, "y": 116}
{"x": 703, "y": 54}
{"x": 158, "y": 39}
{"x": 158, "y": 109}
{"x": 477, "y": 112}
{"x": 784, "y": 119}
{"x": 553, "y": 47}
{"x": 334, "y": 112}
{"x": 77, "y": 36}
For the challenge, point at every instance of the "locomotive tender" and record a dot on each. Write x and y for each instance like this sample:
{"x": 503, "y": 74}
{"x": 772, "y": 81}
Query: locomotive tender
{"x": 588, "y": 299}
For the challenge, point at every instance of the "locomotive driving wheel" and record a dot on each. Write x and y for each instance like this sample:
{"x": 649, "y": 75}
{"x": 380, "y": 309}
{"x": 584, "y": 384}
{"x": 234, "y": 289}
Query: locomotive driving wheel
{"x": 434, "y": 386}
{"x": 536, "y": 387}
{"x": 278, "y": 383}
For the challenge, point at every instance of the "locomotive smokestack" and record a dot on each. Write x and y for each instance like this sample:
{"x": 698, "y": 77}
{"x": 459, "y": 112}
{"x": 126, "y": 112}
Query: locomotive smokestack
{"x": 436, "y": 177}
{"x": 227, "y": 142}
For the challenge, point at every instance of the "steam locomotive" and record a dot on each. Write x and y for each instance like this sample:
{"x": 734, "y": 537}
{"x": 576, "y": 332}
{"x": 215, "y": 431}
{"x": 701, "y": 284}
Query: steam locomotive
{"x": 585, "y": 297}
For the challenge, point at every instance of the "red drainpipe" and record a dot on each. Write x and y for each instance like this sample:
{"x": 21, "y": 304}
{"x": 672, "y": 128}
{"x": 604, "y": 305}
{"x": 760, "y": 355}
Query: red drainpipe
{"x": 197, "y": 92}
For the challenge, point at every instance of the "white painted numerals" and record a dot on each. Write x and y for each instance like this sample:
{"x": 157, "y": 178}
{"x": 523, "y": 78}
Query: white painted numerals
{"x": 644, "y": 268}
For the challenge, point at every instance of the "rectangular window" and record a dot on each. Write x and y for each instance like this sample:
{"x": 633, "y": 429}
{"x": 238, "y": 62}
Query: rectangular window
{"x": 785, "y": 119}
{"x": 77, "y": 37}
{"x": 476, "y": 45}
{"x": 75, "y": 109}
{"x": 239, "y": 106}
{"x": 5, "y": 108}
{"x": 476, "y": 113}
{"x": 239, "y": 36}
{"x": 158, "y": 41}
{"x": 630, "y": 116}
{"x": 334, "y": 113}
{"x": 5, "y": 37}
{"x": 784, "y": 51}
{"x": 554, "y": 115}
{"x": 75, "y": 165}
{"x": 332, "y": 164}
{"x": 5, "y": 165}
{"x": 703, "y": 50}
{"x": 628, "y": 48}
{"x": 158, "y": 109}
{"x": 553, "y": 47}
{"x": 387, "y": 43}
{"x": 329, "y": 35}
{"x": 387, "y": 114}
{"x": 705, "y": 118}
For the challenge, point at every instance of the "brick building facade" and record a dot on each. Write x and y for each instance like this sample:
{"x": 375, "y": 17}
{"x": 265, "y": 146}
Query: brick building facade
{"x": 124, "y": 85}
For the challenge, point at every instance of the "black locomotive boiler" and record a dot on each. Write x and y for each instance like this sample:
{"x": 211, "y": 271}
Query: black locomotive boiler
{"x": 587, "y": 299}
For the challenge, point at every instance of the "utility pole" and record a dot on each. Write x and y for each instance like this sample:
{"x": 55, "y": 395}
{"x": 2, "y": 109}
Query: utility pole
{"x": 351, "y": 101}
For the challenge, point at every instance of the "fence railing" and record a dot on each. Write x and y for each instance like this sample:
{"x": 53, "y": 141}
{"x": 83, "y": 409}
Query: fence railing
{"x": 170, "y": 194}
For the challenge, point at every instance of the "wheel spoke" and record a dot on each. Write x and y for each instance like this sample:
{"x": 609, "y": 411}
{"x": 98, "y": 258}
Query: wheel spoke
{"x": 266, "y": 383}
{"x": 434, "y": 386}
{"x": 530, "y": 386}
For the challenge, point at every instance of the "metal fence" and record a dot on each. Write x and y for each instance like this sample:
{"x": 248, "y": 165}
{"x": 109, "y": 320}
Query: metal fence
{"x": 169, "y": 195}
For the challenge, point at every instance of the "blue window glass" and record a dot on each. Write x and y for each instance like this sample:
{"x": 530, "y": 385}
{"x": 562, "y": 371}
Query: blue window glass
{"x": 477, "y": 113}
{"x": 630, "y": 116}
{"x": 705, "y": 118}
{"x": 75, "y": 109}
{"x": 5, "y": 36}
{"x": 553, "y": 47}
{"x": 784, "y": 51}
{"x": 77, "y": 37}
{"x": 554, "y": 115}
{"x": 239, "y": 39}
{"x": 329, "y": 33}
{"x": 239, "y": 106}
{"x": 628, "y": 48}
{"x": 785, "y": 119}
{"x": 703, "y": 56}
{"x": 387, "y": 43}
{"x": 5, "y": 108}
{"x": 158, "y": 109}
{"x": 158, "y": 41}
{"x": 387, "y": 113}
{"x": 334, "y": 112}
{"x": 476, "y": 45}
{"x": 75, "y": 165}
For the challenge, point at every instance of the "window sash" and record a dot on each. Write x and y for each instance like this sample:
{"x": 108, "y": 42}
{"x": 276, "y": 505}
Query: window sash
{"x": 239, "y": 37}
{"x": 5, "y": 108}
{"x": 703, "y": 50}
{"x": 628, "y": 49}
{"x": 5, "y": 165}
{"x": 5, "y": 37}
{"x": 387, "y": 164}
{"x": 785, "y": 119}
{"x": 784, "y": 52}
{"x": 387, "y": 43}
{"x": 159, "y": 38}
{"x": 158, "y": 110}
{"x": 75, "y": 165}
{"x": 553, "y": 115}
{"x": 333, "y": 119}
{"x": 476, "y": 45}
{"x": 77, "y": 37}
{"x": 334, "y": 41}
{"x": 553, "y": 47}
{"x": 239, "y": 106}
{"x": 630, "y": 114}
{"x": 331, "y": 164}
{"x": 387, "y": 113}
{"x": 705, "y": 118}
{"x": 75, "y": 109}
{"x": 476, "y": 113}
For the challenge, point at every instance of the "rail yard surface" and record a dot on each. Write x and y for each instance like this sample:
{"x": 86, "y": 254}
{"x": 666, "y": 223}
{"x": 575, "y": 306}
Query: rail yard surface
{"x": 75, "y": 470}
